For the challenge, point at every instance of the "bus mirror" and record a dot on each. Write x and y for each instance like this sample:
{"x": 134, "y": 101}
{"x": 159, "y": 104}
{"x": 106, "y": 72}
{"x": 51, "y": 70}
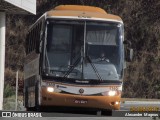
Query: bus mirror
{"x": 128, "y": 51}
{"x": 129, "y": 55}
{"x": 126, "y": 42}
{"x": 39, "y": 47}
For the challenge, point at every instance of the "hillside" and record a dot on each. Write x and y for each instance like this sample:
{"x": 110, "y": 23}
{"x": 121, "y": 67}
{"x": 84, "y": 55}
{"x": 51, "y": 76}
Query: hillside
{"x": 142, "y": 28}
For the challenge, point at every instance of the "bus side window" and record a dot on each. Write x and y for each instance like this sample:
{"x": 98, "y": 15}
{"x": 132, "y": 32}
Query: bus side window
{"x": 36, "y": 35}
{"x": 27, "y": 43}
{"x": 30, "y": 42}
{"x": 33, "y": 39}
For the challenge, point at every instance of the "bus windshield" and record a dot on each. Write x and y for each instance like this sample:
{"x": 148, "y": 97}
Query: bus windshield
{"x": 83, "y": 49}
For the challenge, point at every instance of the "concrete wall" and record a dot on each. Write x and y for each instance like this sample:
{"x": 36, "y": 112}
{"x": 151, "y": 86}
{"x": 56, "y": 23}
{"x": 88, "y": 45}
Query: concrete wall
{"x": 28, "y": 5}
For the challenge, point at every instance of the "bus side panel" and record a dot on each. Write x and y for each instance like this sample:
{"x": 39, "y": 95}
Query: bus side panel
{"x": 31, "y": 71}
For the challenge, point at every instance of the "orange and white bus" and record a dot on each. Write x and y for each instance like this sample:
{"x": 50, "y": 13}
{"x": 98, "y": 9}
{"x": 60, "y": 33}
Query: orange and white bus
{"x": 75, "y": 58}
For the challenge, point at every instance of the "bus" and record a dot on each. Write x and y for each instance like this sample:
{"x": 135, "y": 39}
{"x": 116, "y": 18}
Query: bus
{"x": 75, "y": 57}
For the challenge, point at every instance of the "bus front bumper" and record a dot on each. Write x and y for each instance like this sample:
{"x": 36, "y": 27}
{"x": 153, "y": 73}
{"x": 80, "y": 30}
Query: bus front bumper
{"x": 71, "y": 100}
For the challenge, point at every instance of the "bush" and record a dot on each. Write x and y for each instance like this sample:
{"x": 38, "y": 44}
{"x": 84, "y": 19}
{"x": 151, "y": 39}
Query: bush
{"x": 8, "y": 91}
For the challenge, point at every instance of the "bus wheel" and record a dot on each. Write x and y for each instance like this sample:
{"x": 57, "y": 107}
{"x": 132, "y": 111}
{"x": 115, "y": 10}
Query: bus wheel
{"x": 37, "y": 106}
{"x": 27, "y": 109}
{"x": 107, "y": 112}
{"x": 99, "y": 113}
{"x": 30, "y": 109}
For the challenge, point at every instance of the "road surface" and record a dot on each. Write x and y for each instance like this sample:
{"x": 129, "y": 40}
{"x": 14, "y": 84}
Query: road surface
{"x": 88, "y": 116}
{"x": 80, "y": 118}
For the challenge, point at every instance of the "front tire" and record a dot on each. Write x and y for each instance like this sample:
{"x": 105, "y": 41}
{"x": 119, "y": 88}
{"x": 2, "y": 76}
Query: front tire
{"x": 37, "y": 104}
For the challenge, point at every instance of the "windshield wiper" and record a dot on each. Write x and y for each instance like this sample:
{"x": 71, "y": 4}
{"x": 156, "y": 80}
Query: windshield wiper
{"x": 72, "y": 67}
{"x": 94, "y": 68}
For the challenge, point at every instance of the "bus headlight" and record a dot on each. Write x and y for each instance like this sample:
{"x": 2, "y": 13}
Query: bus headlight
{"x": 50, "y": 89}
{"x": 110, "y": 93}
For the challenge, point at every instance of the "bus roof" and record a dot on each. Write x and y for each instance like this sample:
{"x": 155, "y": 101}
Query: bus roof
{"x": 80, "y": 8}
{"x": 79, "y": 11}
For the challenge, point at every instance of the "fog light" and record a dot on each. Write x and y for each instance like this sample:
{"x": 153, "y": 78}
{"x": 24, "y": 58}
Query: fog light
{"x": 116, "y": 103}
{"x": 50, "y": 89}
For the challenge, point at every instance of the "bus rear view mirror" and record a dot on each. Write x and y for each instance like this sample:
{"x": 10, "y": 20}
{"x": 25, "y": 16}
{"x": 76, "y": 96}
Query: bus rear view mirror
{"x": 128, "y": 51}
{"x": 39, "y": 47}
{"x": 129, "y": 55}
{"x": 128, "y": 43}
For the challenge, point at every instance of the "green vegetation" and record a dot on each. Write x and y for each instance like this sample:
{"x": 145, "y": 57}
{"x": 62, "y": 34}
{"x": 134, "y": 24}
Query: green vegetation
{"x": 8, "y": 91}
{"x": 142, "y": 28}
{"x": 9, "y": 98}
{"x": 9, "y": 103}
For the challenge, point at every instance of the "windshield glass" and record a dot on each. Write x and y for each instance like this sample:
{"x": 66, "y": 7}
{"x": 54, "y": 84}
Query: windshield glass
{"x": 83, "y": 50}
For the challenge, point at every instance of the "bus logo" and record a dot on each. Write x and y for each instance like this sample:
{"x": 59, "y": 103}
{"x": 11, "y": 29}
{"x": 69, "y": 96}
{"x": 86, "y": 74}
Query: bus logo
{"x": 81, "y": 91}
{"x": 78, "y": 81}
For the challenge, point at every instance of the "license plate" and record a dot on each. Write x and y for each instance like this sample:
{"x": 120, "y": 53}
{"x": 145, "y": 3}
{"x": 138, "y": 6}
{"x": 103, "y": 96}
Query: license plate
{"x": 80, "y": 101}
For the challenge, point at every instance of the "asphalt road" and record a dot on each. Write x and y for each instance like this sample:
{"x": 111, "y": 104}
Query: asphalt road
{"x": 91, "y": 116}
{"x": 81, "y": 118}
